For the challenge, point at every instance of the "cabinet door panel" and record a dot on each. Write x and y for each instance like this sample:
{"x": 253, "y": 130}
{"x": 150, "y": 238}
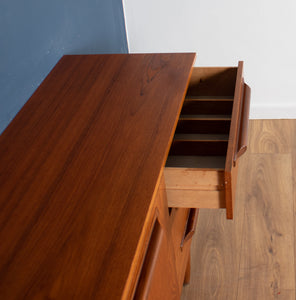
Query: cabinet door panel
{"x": 158, "y": 278}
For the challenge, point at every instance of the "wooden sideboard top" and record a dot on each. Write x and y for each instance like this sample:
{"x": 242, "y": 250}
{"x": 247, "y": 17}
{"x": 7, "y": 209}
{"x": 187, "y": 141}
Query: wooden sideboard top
{"x": 78, "y": 168}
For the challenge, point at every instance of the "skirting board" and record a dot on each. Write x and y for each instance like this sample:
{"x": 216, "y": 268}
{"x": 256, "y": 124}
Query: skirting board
{"x": 273, "y": 111}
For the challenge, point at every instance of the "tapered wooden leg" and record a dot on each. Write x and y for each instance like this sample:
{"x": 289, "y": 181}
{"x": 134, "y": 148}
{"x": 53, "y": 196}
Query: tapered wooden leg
{"x": 187, "y": 272}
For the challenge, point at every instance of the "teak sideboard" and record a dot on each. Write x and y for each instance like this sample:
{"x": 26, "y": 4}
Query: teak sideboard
{"x": 103, "y": 171}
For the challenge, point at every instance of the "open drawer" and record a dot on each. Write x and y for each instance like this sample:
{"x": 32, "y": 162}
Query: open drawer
{"x": 211, "y": 135}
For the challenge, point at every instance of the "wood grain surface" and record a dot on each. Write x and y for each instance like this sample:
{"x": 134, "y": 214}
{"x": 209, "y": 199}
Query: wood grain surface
{"x": 159, "y": 279}
{"x": 78, "y": 170}
{"x": 212, "y": 81}
{"x": 272, "y": 136}
{"x": 230, "y": 172}
{"x": 253, "y": 256}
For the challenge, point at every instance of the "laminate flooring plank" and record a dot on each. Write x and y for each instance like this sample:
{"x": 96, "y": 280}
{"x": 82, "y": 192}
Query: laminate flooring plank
{"x": 294, "y": 185}
{"x": 266, "y": 137}
{"x": 270, "y": 136}
{"x": 212, "y": 270}
{"x": 267, "y": 253}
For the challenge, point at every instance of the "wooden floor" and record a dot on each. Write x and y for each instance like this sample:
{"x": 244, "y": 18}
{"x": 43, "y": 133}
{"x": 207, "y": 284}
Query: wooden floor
{"x": 253, "y": 256}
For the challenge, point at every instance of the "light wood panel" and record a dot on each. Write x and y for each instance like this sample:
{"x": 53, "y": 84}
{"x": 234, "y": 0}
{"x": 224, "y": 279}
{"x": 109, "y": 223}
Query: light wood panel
{"x": 198, "y": 179}
{"x": 253, "y": 256}
{"x": 200, "y": 188}
{"x": 195, "y": 198}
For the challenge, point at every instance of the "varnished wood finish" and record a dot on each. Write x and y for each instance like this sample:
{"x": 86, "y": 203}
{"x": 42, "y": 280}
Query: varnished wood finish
{"x": 154, "y": 282}
{"x": 257, "y": 259}
{"x": 233, "y": 142}
{"x": 78, "y": 170}
{"x": 179, "y": 218}
{"x": 150, "y": 261}
{"x": 243, "y": 131}
{"x": 188, "y": 271}
{"x": 190, "y": 226}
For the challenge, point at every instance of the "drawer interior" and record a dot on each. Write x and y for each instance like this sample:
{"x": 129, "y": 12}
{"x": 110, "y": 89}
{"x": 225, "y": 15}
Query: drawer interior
{"x": 202, "y": 133}
{"x": 211, "y": 133}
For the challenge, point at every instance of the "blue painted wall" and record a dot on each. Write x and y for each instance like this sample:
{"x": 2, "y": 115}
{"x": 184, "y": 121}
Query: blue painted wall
{"x": 34, "y": 34}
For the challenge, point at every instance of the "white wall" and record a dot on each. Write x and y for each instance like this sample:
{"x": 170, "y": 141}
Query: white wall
{"x": 262, "y": 33}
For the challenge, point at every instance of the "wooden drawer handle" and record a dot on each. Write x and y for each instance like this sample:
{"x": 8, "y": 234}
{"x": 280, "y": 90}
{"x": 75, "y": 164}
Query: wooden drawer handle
{"x": 243, "y": 131}
{"x": 190, "y": 226}
{"x": 150, "y": 261}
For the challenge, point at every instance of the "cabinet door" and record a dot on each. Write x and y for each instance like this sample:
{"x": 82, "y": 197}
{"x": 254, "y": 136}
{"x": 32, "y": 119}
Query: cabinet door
{"x": 158, "y": 278}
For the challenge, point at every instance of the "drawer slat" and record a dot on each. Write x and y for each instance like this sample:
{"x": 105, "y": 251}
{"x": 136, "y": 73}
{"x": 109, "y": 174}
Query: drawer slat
{"x": 203, "y": 126}
{"x": 208, "y": 98}
{"x": 200, "y": 137}
{"x": 216, "y": 148}
{"x": 206, "y": 117}
{"x": 201, "y": 162}
{"x": 207, "y": 107}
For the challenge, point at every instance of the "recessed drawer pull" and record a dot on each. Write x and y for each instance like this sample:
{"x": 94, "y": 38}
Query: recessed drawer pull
{"x": 243, "y": 133}
{"x": 190, "y": 226}
{"x": 150, "y": 261}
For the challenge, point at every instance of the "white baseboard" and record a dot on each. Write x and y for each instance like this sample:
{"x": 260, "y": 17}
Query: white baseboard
{"x": 275, "y": 111}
